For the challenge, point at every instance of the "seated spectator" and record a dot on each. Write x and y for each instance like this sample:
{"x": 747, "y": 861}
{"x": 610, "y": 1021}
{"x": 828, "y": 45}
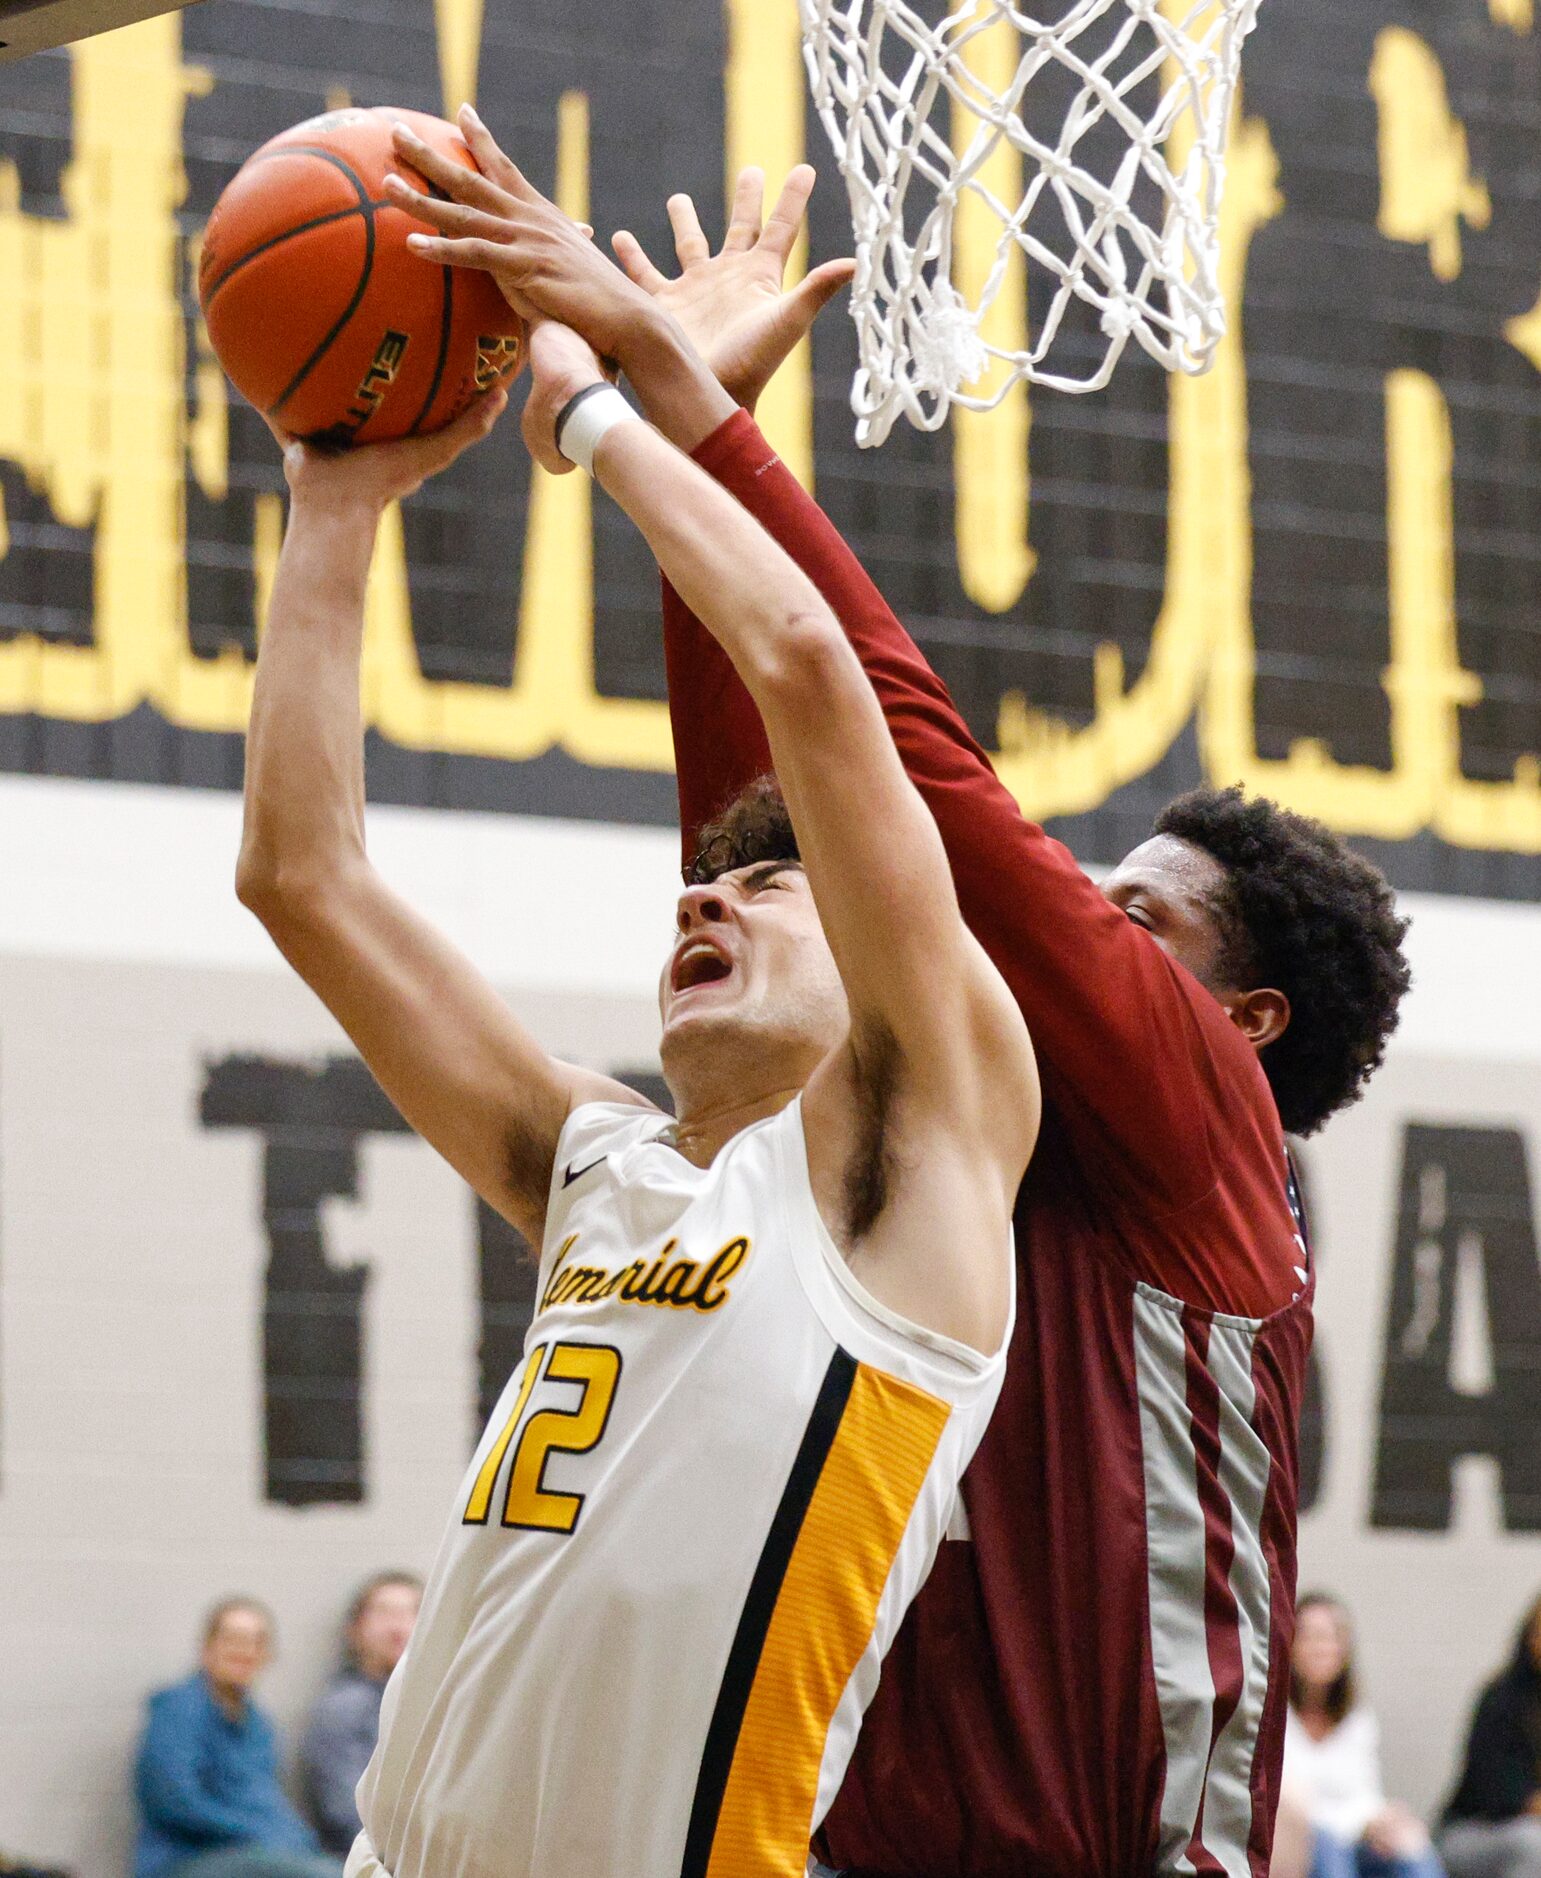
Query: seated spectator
{"x": 345, "y": 1722}
{"x": 1332, "y": 1758}
{"x": 1492, "y": 1826}
{"x": 206, "y": 1777}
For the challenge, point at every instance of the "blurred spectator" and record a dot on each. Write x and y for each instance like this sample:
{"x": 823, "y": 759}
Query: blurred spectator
{"x": 206, "y": 1778}
{"x": 1492, "y": 1826}
{"x": 346, "y": 1720}
{"x": 1332, "y": 1759}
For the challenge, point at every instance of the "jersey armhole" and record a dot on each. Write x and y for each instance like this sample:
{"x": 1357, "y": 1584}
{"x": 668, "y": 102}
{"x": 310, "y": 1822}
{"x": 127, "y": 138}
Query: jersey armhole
{"x": 848, "y": 1308}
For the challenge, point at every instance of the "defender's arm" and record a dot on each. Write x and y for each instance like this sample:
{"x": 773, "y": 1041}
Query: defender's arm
{"x": 916, "y": 981}
{"x": 442, "y": 1044}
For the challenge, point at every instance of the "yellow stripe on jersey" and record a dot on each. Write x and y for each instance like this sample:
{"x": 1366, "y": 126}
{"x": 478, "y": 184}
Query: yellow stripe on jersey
{"x": 822, "y": 1622}
{"x": 481, "y": 1493}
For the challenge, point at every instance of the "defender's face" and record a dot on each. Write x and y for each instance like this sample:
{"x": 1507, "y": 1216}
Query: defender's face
{"x": 1168, "y": 887}
{"x": 751, "y": 956}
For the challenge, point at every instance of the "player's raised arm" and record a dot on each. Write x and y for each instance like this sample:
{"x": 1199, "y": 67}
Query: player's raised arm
{"x": 444, "y": 1047}
{"x": 929, "y": 1015}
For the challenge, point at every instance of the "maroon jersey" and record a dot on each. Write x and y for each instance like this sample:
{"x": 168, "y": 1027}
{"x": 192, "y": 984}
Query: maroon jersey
{"x": 1093, "y": 1680}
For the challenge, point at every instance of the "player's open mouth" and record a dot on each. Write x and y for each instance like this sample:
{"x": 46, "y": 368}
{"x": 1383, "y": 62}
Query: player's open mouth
{"x": 699, "y": 963}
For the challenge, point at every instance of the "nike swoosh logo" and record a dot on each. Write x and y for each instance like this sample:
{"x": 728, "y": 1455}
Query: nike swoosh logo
{"x": 577, "y": 1173}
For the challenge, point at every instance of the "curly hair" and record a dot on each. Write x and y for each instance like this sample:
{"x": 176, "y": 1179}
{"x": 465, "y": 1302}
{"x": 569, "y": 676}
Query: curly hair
{"x": 755, "y": 826}
{"x": 1302, "y": 913}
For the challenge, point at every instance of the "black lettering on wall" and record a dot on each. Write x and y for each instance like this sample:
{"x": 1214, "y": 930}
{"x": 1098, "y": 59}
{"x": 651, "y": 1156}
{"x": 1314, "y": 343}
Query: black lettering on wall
{"x": 311, "y": 1121}
{"x": 1464, "y": 1219}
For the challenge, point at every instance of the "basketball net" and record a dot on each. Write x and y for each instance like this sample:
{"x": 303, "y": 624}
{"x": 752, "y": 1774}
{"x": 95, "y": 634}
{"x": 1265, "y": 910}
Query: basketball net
{"x": 1089, "y": 150}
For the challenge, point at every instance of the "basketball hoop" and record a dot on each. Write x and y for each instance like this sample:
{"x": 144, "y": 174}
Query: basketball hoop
{"x": 1089, "y": 149}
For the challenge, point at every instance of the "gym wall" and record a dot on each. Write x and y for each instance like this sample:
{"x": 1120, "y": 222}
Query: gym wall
{"x": 246, "y": 1321}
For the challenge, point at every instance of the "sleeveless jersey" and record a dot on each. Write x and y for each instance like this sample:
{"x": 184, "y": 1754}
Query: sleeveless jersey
{"x": 685, "y": 1540}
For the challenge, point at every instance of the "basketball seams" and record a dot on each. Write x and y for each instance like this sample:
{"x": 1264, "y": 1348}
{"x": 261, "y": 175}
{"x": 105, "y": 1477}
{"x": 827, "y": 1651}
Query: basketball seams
{"x": 367, "y": 209}
{"x": 446, "y": 326}
{"x": 278, "y": 240}
{"x": 328, "y": 254}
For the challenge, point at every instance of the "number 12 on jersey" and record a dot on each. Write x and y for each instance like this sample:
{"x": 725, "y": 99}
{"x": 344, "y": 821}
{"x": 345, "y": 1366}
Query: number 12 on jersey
{"x": 529, "y": 1503}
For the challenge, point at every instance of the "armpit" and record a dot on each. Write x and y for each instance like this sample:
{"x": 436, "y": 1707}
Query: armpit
{"x": 877, "y": 1063}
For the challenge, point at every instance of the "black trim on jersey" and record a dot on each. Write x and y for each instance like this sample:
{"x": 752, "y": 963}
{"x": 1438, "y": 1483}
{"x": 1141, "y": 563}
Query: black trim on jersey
{"x": 754, "y": 1621}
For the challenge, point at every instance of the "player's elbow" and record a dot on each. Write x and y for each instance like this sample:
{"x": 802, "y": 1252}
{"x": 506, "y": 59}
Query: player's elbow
{"x": 279, "y": 890}
{"x": 802, "y": 657}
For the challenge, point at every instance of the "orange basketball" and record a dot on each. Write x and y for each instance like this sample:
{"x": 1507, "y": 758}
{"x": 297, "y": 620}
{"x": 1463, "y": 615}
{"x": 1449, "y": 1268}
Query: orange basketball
{"x": 320, "y": 312}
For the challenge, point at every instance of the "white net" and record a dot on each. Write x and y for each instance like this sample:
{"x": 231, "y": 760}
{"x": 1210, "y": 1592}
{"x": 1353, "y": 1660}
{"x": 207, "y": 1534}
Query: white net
{"x": 1028, "y": 195}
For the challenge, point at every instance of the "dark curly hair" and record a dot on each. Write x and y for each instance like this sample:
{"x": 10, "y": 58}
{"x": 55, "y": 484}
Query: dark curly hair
{"x": 1305, "y": 915}
{"x": 755, "y": 826}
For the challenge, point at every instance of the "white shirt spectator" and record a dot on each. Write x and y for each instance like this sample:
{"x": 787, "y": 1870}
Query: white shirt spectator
{"x": 1339, "y": 1776}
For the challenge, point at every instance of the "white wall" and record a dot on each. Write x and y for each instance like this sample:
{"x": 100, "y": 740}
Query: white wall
{"x": 132, "y": 1253}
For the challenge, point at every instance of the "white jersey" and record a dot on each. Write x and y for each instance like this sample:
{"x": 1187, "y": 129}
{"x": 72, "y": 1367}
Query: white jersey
{"x": 686, "y": 1539}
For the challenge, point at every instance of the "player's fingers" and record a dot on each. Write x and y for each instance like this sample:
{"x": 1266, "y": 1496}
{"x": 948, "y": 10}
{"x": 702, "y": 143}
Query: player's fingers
{"x": 748, "y": 206}
{"x": 450, "y": 218}
{"x": 454, "y": 179}
{"x": 633, "y": 258}
{"x": 814, "y": 292}
{"x": 463, "y": 251}
{"x": 473, "y": 424}
{"x": 785, "y": 221}
{"x": 433, "y": 453}
{"x": 491, "y": 160}
{"x": 690, "y": 244}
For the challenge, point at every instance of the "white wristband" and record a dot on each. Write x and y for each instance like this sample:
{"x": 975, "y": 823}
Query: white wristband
{"x": 584, "y": 419}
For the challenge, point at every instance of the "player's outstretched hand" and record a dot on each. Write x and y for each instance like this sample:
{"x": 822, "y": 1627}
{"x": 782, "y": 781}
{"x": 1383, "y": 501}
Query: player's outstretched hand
{"x": 561, "y": 365}
{"x": 733, "y": 304}
{"x": 498, "y": 221}
{"x": 377, "y": 474}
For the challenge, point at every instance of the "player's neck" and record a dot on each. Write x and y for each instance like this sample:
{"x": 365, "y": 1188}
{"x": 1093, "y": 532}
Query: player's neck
{"x": 704, "y": 1129}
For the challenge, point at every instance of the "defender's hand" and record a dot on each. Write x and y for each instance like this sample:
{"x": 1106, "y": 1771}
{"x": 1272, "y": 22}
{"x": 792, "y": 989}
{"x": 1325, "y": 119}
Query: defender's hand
{"x": 732, "y": 304}
{"x": 561, "y": 365}
{"x": 377, "y": 474}
{"x": 497, "y": 221}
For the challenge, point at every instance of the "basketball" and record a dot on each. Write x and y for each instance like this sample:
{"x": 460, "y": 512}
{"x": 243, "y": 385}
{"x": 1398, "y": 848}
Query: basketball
{"x": 318, "y": 310}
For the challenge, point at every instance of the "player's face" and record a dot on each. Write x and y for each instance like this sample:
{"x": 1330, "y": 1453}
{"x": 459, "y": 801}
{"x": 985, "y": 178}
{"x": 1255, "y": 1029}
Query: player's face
{"x": 1168, "y": 887}
{"x": 383, "y": 1629}
{"x": 750, "y": 957}
{"x": 237, "y": 1653}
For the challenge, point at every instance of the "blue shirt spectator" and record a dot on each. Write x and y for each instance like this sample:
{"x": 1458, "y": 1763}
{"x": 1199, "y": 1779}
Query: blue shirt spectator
{"x": 206, "y": 1777}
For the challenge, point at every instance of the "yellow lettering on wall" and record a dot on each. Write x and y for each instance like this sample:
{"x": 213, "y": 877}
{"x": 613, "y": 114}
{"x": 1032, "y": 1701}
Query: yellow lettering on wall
{"x": 1427, "y": 188}
{"x": 764, "y": 96}
{"x": 990, "y": 448}
{"x": 91, "y": 402}
{"x": 552, "y": 699}
{"x": 459, "y": 24}
{"x": 93, "y": 410}
{"x": 1054, "y": 769}
{"x": 1524, "y": 334}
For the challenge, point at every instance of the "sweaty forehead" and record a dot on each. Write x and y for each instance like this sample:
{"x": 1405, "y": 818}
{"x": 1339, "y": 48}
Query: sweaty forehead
{"x": 1175, "y": 869}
